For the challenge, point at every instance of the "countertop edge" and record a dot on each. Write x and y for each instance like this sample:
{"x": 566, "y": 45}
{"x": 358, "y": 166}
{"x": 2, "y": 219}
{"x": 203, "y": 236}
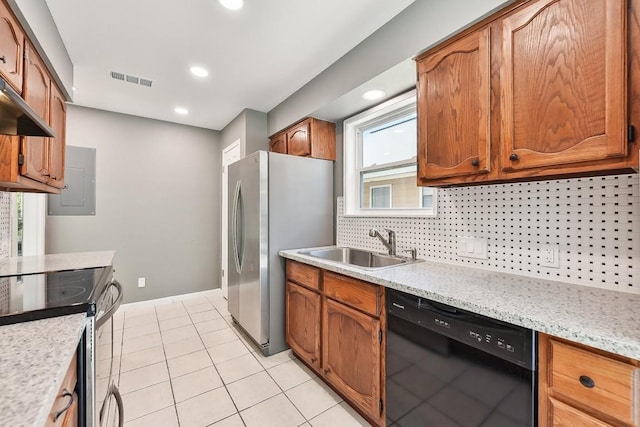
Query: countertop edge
{"x": 606, "y": 343}
{"x": 16, "y": 266}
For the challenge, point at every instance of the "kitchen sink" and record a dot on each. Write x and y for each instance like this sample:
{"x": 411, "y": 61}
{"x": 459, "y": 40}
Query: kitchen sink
{"x": 359, "y": 258}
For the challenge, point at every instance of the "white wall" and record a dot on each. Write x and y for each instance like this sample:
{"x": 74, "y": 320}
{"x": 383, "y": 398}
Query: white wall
{"x": 157, "y": 202}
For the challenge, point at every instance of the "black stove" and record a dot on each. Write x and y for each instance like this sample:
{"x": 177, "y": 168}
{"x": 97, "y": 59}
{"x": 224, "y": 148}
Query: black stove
{"x": 38, "y": 296}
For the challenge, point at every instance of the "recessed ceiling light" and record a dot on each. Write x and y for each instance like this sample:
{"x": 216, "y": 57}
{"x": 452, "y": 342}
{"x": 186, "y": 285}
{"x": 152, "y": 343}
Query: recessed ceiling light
{"x": 372, "y": 95}
{"x": 231, "y": 4}
{"x": 198, "y": 71}
{"x": 181, "y": 110}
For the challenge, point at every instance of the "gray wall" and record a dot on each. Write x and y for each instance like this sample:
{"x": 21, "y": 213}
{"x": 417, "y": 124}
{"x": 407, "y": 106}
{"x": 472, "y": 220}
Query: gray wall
{"x": 157, "y": 201}
{"x": 250, "y": 127}
{"x": 419, "y": 26}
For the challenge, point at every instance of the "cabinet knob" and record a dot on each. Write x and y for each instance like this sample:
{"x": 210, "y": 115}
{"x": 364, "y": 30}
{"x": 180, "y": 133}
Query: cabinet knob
{"x": 313, "y": 359}
{"x": 475, "y": 163}
{"x": 587, "y": 381}
{"x": 3, "y": 59}
{"x": 326, "y": 371}
{"x": 513, "y": 157}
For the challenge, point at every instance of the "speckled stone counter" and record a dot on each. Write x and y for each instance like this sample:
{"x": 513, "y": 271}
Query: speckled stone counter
{"x": 34, "y": 357}
{"x": 54, "y": 262}
{"x": 608, "y": 320}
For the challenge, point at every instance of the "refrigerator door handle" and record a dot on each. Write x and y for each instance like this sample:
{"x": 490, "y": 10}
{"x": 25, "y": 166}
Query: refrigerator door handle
{"x": 235, "y": 222}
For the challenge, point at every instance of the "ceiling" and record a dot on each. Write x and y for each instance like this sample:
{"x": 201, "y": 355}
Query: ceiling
{"x": 256, "y": 56}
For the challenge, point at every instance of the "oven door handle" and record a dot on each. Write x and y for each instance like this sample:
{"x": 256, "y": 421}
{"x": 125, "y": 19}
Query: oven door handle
{"x": 109, "y": 312}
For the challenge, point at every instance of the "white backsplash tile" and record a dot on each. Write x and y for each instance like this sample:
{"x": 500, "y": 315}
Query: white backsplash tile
{"x": 595, "y": 221}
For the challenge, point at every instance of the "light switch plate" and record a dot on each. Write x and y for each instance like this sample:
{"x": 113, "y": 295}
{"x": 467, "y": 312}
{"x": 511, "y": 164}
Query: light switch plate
{"x": 472, "y": 247}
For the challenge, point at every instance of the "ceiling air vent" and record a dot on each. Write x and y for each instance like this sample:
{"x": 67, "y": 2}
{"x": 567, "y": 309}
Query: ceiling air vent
{"x": 130, "y": 78}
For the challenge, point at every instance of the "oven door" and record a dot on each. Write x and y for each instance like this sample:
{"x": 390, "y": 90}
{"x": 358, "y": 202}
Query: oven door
{"x": 108, "y": 400}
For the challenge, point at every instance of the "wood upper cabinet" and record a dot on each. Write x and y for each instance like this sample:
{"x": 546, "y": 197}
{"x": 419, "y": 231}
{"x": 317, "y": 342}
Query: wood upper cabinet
{"x": 454, "y": 107}
{"x": 36, "y": 93}
{"x": 564, "y": 83}
{"x": 57, "y": 145}
{"x": 308, "y": 138}
{"x": 11, "y": 48}
{"x": 351, "y": 355}
{"x": 303, "y": 323}
{"x": 541, "y": 89}
{"x": 581, "y": 386}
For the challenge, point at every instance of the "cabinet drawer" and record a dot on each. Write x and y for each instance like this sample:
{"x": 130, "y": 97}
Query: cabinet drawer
{"x": 303, "y": 274}
{"x": 353, "y": 292}
{"x": 568, "y": 416}
{"x": 68, "y": 385}
{"x": 595, "y": 381}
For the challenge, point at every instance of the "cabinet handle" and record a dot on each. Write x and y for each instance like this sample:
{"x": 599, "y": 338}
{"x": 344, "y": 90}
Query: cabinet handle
{"x": 587, "y": 381}
{"x": 513, "y": 157}
{"x": 475, "y": 163}
{"x": 65, "y": 393}
{"x": 3, "y": 59}
{"x": 313, "y": 359}
{"x": 326, "y": 371}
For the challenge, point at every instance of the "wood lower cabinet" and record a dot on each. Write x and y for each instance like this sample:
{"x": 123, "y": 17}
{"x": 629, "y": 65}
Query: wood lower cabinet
{"x": 542, "y": 89}
{"x": 11, "y": 48}
{"x": 581, "y": 386}
{"x": 64, "y": 412}
{"x": 335, "y": 325}
{"x": 309, "y": 138}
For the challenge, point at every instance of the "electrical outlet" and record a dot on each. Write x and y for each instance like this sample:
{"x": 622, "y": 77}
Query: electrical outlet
{"x": 142, "y": 282}
{"x": 550, "y": 255}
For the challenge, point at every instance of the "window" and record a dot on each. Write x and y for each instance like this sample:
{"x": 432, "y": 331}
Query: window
{"x": 380, "y": 162}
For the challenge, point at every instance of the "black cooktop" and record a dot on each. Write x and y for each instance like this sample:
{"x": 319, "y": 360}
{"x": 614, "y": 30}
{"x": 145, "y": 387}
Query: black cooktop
{"x": 38, "y": 296}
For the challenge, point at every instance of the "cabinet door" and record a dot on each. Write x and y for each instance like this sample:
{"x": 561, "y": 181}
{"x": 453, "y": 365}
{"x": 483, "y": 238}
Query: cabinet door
{"x": 11, "y": 48}
{"x": 563, "y": 83}
{"x": 303, "y": 323}
{"x": 58, "y": 123}
{"x": 454, "y": 97}
{"x": 278, "y": 143}
{"x": 562, "y": 415}
{"x": 37, "y": 93}
{"x": 351, "y": 355}
{"x": 299, "y": 140}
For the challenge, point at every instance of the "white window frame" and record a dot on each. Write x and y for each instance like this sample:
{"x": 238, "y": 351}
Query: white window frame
{"x": 389, "y": 186}
{"x": 352, "y": 151}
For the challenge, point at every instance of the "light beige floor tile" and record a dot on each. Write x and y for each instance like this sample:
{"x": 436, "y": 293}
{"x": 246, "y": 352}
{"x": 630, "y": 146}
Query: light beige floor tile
{"x": 179, "y": 348}
{"x": 118, "y": 323}
{"x": 147, "y": 400}
{"x": 274, "y": 412}
{"x": 340, "y": 415}
{"x": 140, "y": 320}
{"x": 139, "y": 311}
{"x": 143, "y": 377}
{"x": 188, "y": 363}
{"x": 205, "y": 409}
{"x": 176, "y": 322}
{"x": 313, "y": 397}
{"x": 222, "y": 336}
{"x": 251, "y": 345}
{"x": 199, "y": 308}
{"x": 141, "y": 343}
{"x": 103, "y": 352}
{"x": 290, "y": 374}
{"x": 238, "y": 368}
{"x": 252, "y": 390}
{"x": 171, "y": 313}
{"x": 142, "y": 358}
{"x": 205, "y": 315}
{"x": 166, "y": 417}
{"x": 211, "y": 325}
{"x": 102, "y": 366}
{"x": 140, "y": 331}
{"x": 195, "y": 383}
{"x": 177, "y": 334}
{"x": 232, "y": 421}
{"x": 117, "y": 336}
{"x": 269, "y": 362}
{"x": 189, "y": 301}
{"x": 227, "y": 351}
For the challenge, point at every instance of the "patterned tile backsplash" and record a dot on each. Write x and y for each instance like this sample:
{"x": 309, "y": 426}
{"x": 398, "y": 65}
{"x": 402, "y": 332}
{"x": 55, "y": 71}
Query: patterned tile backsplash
{"x": 5, "y": 225}
{"x": 594, "y": 221}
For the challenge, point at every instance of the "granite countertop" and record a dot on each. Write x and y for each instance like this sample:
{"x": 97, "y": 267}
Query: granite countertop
{"x": 54, "y": 262}
{"x": 604, "y": 319}
{"x": 34, "y": 358}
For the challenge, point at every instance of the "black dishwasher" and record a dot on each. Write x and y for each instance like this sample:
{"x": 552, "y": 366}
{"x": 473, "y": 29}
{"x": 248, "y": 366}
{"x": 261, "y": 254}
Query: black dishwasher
{"x": 450, "y": 367}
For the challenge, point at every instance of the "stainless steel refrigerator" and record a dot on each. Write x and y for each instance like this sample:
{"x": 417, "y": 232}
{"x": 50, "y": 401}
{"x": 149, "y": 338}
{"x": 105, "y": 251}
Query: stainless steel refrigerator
{"x": 276, "y": 202}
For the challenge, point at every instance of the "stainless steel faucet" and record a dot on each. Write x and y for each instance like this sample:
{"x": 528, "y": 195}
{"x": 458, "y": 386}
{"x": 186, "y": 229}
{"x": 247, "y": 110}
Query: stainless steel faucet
{"x": 389, "y": 243}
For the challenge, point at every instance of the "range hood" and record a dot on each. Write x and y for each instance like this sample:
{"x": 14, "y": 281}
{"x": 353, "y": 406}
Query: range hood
{"x": 17, "y": 118}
